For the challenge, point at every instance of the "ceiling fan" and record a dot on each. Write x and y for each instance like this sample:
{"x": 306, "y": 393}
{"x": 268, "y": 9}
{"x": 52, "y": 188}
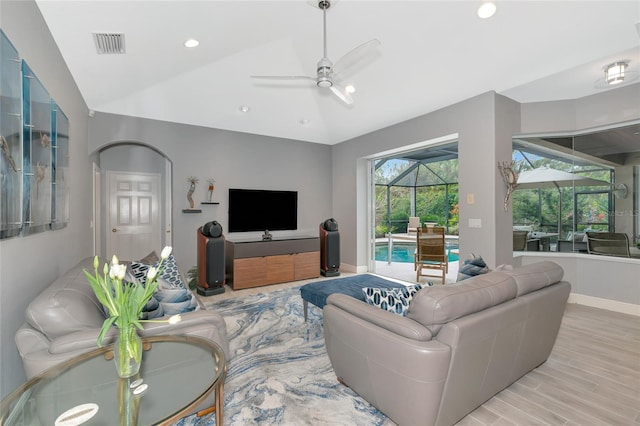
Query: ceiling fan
{"x": 329, "y": 75}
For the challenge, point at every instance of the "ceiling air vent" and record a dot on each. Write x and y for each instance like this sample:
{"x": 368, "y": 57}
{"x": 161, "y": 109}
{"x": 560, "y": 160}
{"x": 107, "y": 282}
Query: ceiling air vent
{"x": 109, "y": 43}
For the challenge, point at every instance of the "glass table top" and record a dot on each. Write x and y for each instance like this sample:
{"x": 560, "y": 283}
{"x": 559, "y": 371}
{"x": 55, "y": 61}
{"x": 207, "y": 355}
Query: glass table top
{"x": 179, "y": 371}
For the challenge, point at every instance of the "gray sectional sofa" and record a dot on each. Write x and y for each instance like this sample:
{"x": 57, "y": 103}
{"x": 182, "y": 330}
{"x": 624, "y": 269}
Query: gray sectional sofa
{"x": 458, "y": 346}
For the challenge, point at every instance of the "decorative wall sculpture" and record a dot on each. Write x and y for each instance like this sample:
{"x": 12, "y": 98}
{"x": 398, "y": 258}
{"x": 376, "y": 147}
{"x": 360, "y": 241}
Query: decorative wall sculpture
{"x": 34, "y": 146}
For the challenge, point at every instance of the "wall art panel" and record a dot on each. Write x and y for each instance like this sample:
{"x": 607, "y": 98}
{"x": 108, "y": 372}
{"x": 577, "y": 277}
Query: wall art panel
{"x": 10, "y": 140}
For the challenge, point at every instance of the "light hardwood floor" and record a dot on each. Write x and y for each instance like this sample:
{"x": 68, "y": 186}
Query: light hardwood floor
{"x": 591, "y": 378}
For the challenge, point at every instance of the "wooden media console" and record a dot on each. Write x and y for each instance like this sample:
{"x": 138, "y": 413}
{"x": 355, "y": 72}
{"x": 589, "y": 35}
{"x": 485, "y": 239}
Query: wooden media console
{"x": 254, "y": 263}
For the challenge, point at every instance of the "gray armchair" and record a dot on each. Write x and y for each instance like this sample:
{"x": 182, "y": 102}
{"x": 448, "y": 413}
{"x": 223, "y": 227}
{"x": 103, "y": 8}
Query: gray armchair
{"x": 65, "y": 319}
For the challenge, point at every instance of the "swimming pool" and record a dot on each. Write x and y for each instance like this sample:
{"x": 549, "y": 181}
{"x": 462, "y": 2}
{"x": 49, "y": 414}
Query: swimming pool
{"x": 403, "y": 252}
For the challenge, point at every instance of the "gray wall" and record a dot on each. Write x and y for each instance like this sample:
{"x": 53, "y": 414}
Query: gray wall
{"x": 485, "y": 125}
{"x": 484, "y": 138}
{"x": 234, "y": 160}
{"x": 29, "y": 264}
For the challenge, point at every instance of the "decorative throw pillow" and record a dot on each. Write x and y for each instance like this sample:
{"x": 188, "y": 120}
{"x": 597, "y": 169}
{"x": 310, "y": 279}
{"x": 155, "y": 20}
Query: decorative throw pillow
{"x": 170, "y": 271}
{"x": 139, "y": 271}
{"x": 165, "y": 292}
{"x": 472, "y": 267}
{"x": 171, "y": 296}
{"x": 150, "y": 258}
{"x": 395, "y": 300}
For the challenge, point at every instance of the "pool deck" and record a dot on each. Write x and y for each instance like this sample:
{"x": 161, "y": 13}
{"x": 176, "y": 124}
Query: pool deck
{"x": 404, "y": 271}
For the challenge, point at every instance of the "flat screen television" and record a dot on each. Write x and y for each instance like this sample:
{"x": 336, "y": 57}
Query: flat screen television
{"x": 259, "y": 210}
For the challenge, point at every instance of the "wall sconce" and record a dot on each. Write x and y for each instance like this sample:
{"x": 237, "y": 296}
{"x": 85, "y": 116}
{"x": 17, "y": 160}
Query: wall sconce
{"x": 621, "y": 191}
{"x": 510, "y": 172}
{"x": 614, "y": 73}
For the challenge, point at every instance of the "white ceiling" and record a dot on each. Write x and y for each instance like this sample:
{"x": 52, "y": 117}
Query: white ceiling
{"x": 432, "y": 54}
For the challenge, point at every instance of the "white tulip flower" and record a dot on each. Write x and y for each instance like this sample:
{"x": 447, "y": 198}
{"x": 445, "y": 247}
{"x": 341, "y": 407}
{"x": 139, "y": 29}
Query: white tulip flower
{"x": 166, "y": 251}
{"x": 118, "y": 271}
{"x": 174, "y": 319}
{"x": 151, "y": 273}
{"x": 114, "y": 260}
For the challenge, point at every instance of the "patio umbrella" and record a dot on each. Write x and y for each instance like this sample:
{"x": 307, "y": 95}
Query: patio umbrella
{"x": 544, "y": 177}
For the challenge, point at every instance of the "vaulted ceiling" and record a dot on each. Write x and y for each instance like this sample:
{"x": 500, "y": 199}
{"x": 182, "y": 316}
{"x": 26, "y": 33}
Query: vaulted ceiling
{"x": 431, "y": 54}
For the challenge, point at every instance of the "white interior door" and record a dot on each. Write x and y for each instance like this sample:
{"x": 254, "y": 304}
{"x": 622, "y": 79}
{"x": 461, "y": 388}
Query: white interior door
{"x": 134, "y": 227}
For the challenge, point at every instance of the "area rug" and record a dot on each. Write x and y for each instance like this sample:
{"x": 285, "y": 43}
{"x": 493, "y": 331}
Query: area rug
{"x": 279, "y": 372}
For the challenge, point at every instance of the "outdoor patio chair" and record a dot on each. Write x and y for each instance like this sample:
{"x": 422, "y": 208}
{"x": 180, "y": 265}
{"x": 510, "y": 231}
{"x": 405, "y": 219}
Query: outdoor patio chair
{"x": 522, "y": 242}
{"x": 414, "y": 224}
{"x": 431, "y": 254}
{"x": 608, "y": 244}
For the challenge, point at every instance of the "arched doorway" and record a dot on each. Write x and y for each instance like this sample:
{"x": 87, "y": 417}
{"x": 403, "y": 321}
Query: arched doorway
{"x": 133, "y": 200}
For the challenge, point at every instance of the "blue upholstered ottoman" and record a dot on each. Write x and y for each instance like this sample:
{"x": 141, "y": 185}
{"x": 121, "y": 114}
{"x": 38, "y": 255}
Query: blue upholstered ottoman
{"x": 317, "y": 292}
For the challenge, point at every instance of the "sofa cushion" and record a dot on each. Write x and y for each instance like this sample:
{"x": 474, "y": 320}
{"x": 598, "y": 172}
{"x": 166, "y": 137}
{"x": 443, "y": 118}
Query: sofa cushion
{"x": 395, "y": 300}
{"x": 535, "y": 276}
{"x": 472, "y": 267}
{"x": 67, "y": 305}
{"x": 435, "y": 306}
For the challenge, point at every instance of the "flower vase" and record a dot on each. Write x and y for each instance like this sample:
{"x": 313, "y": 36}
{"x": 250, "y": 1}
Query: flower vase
{"x": 127, "y": 351}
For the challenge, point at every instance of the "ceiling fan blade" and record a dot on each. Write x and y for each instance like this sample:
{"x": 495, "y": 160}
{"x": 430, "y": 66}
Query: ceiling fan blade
{"x": 284, "y": 77}
{"x": 340, "y": 92}
{"x": 360, "y": 55}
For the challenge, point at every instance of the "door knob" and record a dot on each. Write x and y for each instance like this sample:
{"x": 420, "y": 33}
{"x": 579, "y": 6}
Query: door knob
{"x": 114, "y": 230}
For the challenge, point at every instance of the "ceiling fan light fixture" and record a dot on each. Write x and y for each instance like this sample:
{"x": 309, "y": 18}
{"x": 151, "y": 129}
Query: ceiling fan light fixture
{"x": 487, "y": 10}
{"x": 614, "y": 73}
{"x": 350, "y": 89}
{"x": 244, "y": 109}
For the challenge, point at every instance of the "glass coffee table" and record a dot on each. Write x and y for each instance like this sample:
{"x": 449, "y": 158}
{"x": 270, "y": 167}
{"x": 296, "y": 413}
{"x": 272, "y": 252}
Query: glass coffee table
{"x": 179, "y": 372}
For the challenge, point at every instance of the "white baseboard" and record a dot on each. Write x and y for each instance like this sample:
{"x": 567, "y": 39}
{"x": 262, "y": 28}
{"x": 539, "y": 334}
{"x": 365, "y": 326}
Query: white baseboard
{"x": 610, "y": 305}
{"x": 354, "y": 269}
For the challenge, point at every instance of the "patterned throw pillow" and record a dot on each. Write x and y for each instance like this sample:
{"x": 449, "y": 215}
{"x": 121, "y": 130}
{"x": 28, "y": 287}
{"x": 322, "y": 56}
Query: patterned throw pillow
{"x": 171, "y": 296}
{"x": 395, "y": 300}
{"x": 170, "y": 272}
{"x": 472, "y": 267}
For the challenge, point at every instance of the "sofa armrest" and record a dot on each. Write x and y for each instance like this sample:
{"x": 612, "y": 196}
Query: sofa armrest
{"x": 401, "y": 376}
{"x": 205, "y": 324}
{"x": 394, "y": 323}
{"x": 202, "y": 323}
{"x": 79, "y": 340}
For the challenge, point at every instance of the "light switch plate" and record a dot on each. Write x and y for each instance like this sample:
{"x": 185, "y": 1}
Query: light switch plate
{"x": 475, "y": 223}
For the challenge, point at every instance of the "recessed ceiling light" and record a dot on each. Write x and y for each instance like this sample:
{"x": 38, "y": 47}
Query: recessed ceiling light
{"x": 350, "y": 89}
{"x": 244, "y": 108}
{"x": 305, "y": 121}
{"x": 192, "y": 42}
{"x": 486, "y": 10}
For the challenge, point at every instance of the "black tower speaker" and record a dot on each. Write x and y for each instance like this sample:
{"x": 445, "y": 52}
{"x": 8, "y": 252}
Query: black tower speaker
{"x": 329, "y": 248}
{"x": 211, "y": 262}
